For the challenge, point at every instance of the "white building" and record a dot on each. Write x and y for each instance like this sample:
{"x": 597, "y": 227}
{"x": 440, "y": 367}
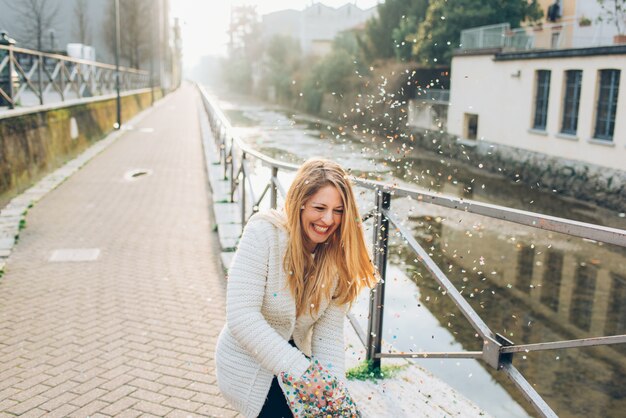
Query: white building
{"x": 316, "y": 26}
{"x": 566, "y": 103}
{"x": 558, "y": 90}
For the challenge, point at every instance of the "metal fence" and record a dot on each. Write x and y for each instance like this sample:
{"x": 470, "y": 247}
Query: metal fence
{"x": 30, "y": 77}
{"x": 497, "y": 351}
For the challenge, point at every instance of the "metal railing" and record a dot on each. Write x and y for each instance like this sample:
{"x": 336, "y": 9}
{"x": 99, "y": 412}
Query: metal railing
{"x": 39, "y": 77}
{"x": 497, "y": 351}
{"x": 545, "y": 36}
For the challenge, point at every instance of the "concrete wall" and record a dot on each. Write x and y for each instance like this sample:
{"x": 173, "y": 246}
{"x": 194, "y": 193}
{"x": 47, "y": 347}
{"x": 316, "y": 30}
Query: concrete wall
{"x": 36, "y": 142}
{"x": 502, "y": 94}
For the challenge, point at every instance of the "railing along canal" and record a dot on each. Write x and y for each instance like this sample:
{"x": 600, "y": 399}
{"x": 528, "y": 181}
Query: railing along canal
{"x": 497, "y": 351}
{"x": 54, "y": 77}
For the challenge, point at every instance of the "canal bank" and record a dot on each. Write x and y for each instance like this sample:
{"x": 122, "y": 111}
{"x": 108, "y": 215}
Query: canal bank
{"x": 536, "y": 286}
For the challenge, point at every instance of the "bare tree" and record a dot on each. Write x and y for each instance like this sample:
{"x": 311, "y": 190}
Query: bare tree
{"x": 82, "y": 29}
{"x": 35, "y": 18}
{"x": 136, "y": 30}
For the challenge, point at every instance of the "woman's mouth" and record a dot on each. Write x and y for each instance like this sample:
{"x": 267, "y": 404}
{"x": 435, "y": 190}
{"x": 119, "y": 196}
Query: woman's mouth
{"x": 321, "y": 230}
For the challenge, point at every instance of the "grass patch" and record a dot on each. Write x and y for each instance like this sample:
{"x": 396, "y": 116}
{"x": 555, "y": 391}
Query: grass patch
{"x": 365, "y": 371}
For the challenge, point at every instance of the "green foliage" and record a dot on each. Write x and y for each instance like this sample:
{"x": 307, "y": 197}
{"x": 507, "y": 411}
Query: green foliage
{"x": 403, "y": 38}
{"x": 365, "y": 371}
{"x": 244, "y": 49}
{"x": 312, "y": 90}
{"x": 379, "y": 41}
{"x": 238, "y": 74}
{"x": 440, "y": 32}
{"x": 282, "y": 58}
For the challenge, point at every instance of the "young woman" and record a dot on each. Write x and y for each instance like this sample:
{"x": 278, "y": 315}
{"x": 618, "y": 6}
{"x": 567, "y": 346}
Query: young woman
{"x": 289, "y": 287}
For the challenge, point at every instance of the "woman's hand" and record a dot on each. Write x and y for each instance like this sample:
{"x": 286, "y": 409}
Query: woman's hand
{"x": 312, "y": 392}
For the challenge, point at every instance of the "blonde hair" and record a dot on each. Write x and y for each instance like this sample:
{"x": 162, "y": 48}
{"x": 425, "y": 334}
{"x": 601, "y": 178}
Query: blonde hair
{"x": 344, "y": 255}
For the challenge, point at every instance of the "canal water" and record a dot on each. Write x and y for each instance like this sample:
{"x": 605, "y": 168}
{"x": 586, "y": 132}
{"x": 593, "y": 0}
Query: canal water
{"x": 528, "y": 285}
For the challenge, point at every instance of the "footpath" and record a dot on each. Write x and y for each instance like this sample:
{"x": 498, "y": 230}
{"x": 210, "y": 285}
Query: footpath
{"x": 112, "y": 300}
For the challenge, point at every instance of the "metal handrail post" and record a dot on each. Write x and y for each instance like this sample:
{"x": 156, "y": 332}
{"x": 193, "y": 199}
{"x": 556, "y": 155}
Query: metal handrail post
{"x": 242, "y": 199}
{"x": 11, "y": 93}
{"x": 273, "y": 188}
{"x": 377, "y": 294}
{"x": 62, "y": 79}
{"x": 40, "y": 78}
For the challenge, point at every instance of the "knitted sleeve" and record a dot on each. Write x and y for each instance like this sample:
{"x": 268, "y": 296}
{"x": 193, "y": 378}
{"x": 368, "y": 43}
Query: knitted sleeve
{"x": 327, "y": 341}
{"x": 244, "y": 297}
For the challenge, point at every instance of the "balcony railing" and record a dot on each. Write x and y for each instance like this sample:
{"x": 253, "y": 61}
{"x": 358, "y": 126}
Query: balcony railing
{"x": 30, "y": 77}
{"x": 497, "y": 351}
{"x": 564, "y": 34}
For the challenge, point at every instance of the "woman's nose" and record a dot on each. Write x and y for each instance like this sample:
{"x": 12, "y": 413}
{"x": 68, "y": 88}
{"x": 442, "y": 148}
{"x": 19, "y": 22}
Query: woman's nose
{"x": 328, "y": 217}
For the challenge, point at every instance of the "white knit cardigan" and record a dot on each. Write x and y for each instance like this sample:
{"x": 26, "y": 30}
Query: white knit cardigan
{"x": 261, "y": 318}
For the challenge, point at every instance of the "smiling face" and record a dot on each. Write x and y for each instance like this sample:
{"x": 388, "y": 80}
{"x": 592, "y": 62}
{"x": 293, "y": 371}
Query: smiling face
{"x": 321, "y": 216}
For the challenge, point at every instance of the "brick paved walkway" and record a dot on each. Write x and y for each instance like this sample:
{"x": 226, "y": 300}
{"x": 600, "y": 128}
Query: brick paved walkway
{"x": 131, "y": 333}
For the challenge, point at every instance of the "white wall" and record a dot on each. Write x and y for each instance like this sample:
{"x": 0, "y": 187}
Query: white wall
{"x": 504, "y": 103}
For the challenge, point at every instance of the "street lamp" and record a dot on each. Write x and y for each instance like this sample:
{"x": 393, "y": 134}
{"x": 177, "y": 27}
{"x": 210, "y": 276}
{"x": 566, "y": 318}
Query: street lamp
{"x": 118, "y": 100}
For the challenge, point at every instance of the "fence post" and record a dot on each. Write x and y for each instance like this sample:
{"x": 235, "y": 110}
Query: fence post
{"x": 11, "y": 91}
{"x": 377, "y": 294}
{"x": 273, "y": 188}
{"x": 242, "y": 199}
{"x": 40, "y": 78}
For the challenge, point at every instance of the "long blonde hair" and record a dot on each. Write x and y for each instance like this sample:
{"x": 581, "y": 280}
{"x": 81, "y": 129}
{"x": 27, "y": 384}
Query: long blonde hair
{"x": 344, "y": 255}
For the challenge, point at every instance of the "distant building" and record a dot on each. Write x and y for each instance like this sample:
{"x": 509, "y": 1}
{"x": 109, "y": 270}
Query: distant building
{"x": 557, "y": 91}
{"x": 316, "y": 26}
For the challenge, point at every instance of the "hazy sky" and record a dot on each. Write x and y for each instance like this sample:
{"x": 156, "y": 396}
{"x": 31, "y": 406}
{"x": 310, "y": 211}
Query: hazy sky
{"x": 204, "y": 22}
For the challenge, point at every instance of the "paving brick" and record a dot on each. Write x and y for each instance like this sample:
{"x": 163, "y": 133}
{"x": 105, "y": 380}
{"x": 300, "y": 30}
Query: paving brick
{"x": 146, "y": 384}
{"x": 213, "y": 411}
{"x": 86, "y": 398}
{"x": 174, "y": 381}
{"x": 119, "y": 406}
{"x": 23, "y": 407}
{"x": 118, "y": 393}
{"x": 62, "y": 411}
{"x": 184, "y": 404}
{"x": 119, "y": 381}
{"x": 152, "y": 408}
{"x": 150, "y": 396}
{"x": 58, "y": 401}
{"x": 88, "y": 409}
{"x": 30, "y": 392}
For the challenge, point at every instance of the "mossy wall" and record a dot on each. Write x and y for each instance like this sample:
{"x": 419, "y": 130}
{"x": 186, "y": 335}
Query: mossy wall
{"x": 35, "y": 144}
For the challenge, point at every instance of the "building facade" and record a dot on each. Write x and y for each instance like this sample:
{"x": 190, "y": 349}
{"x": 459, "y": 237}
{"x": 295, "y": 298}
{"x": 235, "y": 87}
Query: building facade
{"x": 566, "y": 103}
{"x": 316, "y": 26}
{"x": 555, "y": 88}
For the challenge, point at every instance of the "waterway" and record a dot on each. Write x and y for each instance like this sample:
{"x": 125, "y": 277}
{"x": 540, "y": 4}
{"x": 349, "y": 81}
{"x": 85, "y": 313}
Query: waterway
{"x": 528, "y": 285}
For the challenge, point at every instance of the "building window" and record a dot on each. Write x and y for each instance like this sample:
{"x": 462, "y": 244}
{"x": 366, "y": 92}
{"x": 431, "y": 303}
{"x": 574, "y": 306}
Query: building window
{"x": 616, "y": 313}
{"x": 525, "y": 265}
{"x": 607, "y": 104}
{"x": 471, "y": 126}
{"x": 581, "y": 306}
{"x": 541, "y": 100}
{"x": 551, "y": 285}
{"x": 573, "y": 82}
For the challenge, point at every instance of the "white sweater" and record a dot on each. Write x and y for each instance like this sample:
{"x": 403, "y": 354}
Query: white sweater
{"x": 261, "y": 318}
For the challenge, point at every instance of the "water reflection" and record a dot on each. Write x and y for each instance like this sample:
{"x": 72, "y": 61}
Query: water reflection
{"x": 528, "y": 285}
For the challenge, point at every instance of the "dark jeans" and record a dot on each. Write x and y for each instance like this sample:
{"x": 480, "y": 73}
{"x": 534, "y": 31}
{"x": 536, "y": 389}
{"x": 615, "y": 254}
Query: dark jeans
{"x": 276, "y": 405}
